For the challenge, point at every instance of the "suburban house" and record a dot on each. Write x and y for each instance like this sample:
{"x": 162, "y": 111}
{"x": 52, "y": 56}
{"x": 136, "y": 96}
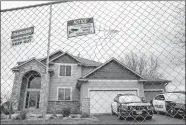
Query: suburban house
{"x": 81, "y": 84}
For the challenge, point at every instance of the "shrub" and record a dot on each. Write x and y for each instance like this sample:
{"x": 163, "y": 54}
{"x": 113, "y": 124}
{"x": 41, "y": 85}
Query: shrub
{"x": 7, "y": 108}
{"x": 21, "y": 116}
{"x": 85, "y": 115}
{"x": 66, "y": 112}
{"x": 2, "y": 108}
{"x": 76, "y": 111}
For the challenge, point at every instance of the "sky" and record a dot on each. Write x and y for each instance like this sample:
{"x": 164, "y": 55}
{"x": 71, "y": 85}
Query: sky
{"x": 141, "y": 27}
{"x": 14, "y": 4}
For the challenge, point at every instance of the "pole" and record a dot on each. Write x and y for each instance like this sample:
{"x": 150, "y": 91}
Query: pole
{"x": 47, "y": 66}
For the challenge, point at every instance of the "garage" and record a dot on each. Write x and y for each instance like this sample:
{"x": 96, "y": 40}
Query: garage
{"x": 99, "y": 87}
{"x": 150, "y": 94}
{"x": 100, "y": 100}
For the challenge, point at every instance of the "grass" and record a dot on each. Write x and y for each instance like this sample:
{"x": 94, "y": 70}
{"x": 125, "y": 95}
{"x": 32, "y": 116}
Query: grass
{"x": 53, "y": 121}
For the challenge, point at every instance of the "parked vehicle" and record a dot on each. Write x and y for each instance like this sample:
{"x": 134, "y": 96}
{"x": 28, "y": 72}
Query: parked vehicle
{"x": 170, "y": 103}
{"x": 130, "y": 105}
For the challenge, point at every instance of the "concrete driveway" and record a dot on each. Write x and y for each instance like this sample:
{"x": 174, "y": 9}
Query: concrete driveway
{"x": 156, "y": 119}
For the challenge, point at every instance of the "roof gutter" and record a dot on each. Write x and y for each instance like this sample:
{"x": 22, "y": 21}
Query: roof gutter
{"x": 79, "y": 82}
{"x": 166, "y": 82}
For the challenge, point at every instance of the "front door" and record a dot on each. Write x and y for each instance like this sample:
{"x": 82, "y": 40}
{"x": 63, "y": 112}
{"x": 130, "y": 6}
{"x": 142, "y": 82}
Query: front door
{"x": 32, "y": 100}
{"x": 32, "y": 94}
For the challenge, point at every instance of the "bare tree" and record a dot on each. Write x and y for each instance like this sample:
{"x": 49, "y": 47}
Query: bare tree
{"x": 144, "y": 65}
{"x": 179, "y": 20}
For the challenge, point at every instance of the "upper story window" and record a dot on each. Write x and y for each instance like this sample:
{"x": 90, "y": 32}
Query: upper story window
{"x": 65, "y": 70}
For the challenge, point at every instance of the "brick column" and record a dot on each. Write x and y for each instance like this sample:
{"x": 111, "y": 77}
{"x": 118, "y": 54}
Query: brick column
{"x": 16, "y": 91}
{"x": 85, "y": 105}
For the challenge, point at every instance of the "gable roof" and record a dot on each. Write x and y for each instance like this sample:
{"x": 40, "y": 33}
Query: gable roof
{"x": 28, "y": 62}
{"x": 82, "y": 61}
{"x": 53, "y": 53}
{"x": 112, "y": 59}
{"x": 63, "y": 54}
{"x": 41, "y": 59}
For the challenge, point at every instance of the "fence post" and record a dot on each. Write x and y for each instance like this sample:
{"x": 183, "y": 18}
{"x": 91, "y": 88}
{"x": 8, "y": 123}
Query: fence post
{"x": 47, "y": 67}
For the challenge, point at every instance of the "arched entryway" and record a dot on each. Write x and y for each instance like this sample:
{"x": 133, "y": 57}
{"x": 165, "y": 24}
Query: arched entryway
{"x": 30, "y": 91}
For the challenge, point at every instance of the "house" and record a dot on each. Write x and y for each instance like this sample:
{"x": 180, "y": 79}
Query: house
{"x": 81, "y": 84}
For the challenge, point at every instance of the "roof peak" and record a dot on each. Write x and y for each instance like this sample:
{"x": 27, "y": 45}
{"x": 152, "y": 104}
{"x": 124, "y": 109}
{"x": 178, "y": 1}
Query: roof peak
{"x": 112, "y": 59}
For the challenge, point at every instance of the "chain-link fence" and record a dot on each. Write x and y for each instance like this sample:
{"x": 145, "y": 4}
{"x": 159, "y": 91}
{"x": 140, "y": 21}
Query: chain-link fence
{"x": 103, "y": 60}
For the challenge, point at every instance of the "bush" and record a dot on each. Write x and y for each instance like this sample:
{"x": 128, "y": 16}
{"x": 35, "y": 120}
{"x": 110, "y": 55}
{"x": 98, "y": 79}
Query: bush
{"x": 21, "y": 116}
{"x": 7, "y": 108}
{"x": 85, "y": 115}
{"x": 2, "y": 108}
{"x": 66, "y": 112}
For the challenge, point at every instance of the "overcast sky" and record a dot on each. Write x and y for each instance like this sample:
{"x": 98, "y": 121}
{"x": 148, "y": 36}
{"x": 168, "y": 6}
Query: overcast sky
{"x": 14, "y": 4}
{"x": 141, "y": 27}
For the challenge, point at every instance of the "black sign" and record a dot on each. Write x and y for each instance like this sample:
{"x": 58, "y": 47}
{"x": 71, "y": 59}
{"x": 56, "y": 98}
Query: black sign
{"x": 22, "y": 36}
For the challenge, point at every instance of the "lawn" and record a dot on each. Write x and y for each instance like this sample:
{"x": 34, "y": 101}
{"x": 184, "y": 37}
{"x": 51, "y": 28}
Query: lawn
{"x": 54, "y": 121}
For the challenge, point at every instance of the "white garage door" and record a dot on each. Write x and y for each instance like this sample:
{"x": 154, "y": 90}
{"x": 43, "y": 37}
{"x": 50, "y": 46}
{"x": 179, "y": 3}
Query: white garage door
{"x": 100, "y": 100}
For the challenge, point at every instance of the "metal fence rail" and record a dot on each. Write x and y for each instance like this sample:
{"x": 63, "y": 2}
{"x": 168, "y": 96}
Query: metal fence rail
{"x": 80, "y": 55}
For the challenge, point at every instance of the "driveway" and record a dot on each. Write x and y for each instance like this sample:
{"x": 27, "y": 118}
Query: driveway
{"x": 156, "y": 119}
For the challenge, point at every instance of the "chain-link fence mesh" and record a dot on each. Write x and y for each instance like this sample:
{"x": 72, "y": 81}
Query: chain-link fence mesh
{"x": 127, "y": 67}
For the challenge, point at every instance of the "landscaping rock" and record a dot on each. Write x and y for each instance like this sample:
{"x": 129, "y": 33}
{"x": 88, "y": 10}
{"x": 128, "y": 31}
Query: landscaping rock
{"x": 47, "y": 116}
{"x": 3, "y": 116}
{"x": 14, "y": 116}
{"x": 65, "y": 118}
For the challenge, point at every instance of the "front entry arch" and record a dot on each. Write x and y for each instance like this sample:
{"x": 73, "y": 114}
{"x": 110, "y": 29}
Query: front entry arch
{"x": 30, "y": 91}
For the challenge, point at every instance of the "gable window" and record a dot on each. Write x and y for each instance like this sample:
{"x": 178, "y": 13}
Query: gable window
{"x": 64, "y": 94}
{"x": 65, "y": 70}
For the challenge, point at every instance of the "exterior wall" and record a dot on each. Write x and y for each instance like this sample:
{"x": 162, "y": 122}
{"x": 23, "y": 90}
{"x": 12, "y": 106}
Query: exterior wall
{"x": 57, "y": 107}
{"x": 152, "y": 89}
{"x": 154, "y": 86}
{"x": 64, "y": 81}
{"x": 16, "y": 96}
{"x": 86, "y": 70}
{"x": 108, "y": 85}
{"x": 113, "y": 70}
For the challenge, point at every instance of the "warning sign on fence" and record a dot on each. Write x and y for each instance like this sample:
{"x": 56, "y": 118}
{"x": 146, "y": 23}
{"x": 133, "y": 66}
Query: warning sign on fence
{"x": 22, "y": 36}
{"x": 79, "y": 27}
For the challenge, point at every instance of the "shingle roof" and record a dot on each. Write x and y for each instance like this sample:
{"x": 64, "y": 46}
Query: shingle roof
{"x": 83, "y": 61}
{"x": 93, "y": 71}
{"x": 88, "y": 62}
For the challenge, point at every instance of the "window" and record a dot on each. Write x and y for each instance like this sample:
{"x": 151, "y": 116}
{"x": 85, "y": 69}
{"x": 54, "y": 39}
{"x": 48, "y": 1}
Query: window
{"x": 34, "y": 82}
{"x": 32, "y": 93}
{"x": 157, "y": 97}
{"x": 64, "y": 94}
{"x": 130, "y": 98}
{"x": 65, "y": 70}
{"x": 32, "y": 99}
{"x": 160, "y": 97}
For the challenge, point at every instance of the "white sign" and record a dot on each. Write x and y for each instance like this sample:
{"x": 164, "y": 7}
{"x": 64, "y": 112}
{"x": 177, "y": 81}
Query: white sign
{"x": 22, "y": 36}
{"x": 79, "y": 27}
